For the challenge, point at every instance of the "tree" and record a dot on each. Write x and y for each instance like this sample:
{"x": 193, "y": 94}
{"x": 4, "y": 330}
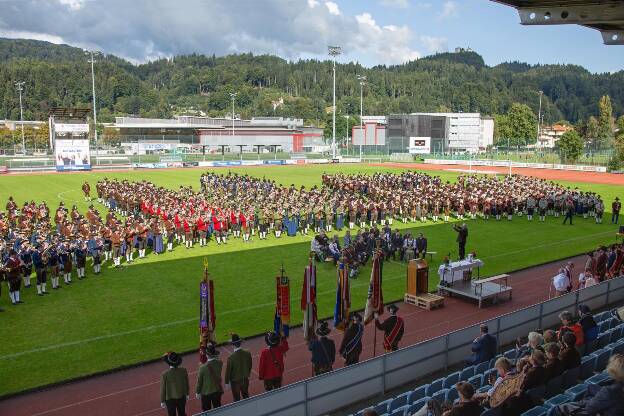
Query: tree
{"x": 518, "y": 127}
{"x": 570, "y": 146}
{"x": 619, "y": 141}
{"x": 604, "y": 138}
{"x": 342, "y": 134}
{"x": 591, "y": 132}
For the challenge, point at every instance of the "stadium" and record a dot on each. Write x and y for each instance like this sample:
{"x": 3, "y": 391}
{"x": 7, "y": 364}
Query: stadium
{"x": 405, "y": 262}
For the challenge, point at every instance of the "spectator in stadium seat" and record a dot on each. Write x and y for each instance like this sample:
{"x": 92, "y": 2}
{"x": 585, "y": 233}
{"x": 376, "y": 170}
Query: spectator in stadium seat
{"x": 569, "y": 355}
{"x": 535, "y": 342}
{"x": 590, "y": 328}
{"x": 553, "y": 365}
{"x": 174, "y": 386}
{"x": 466, "y": 405}
{"x": 534, "y": 375}
{"x": 550, "y": 336}
{"x": 504, "y": 368}
{"x": 568, "y": 325}
{"x": 605, "y": 401}
{"x": 370, "y": 412}
{"x": 483, "y": 347}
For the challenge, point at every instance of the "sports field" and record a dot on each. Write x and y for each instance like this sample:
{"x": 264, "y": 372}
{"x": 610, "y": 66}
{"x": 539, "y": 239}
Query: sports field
{"x": 133, "y": 314}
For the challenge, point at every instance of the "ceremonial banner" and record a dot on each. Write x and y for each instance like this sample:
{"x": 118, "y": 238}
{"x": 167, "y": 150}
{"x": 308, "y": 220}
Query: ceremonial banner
{"x": 207, "y": 318}
{"x": 343, "y": 298}
{"x": 375, "y": 295}
{"x": 282, "y": 306}
{"x": 308, "y": 301}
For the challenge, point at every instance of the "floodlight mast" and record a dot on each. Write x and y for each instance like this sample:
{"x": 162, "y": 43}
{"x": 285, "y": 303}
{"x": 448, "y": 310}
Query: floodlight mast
{"x": 362, "y": 80}
{"x": 334, "y": 51}
{"x": 20, "y": 88}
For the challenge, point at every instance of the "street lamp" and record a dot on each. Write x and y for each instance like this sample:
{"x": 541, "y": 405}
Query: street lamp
{"x": 333, "y": 52}
{"x": 20, "y": 87}
{"x": 539, "y": 115}
{"x": 362, "y": 80}
{"x": 92, "y": 62}
{"x": 233, "y": 97}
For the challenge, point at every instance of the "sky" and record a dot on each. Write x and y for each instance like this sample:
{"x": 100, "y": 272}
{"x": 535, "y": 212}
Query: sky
{"x": 371, "y": 32}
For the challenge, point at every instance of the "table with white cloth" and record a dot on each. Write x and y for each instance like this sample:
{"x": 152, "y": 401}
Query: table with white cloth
{"x": 453, "y": 272}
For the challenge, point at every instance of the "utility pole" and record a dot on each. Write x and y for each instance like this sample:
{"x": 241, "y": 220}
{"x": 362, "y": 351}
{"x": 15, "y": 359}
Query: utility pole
{"x": 333, "y": 52}
{"x": 233, "y": 97}
{"x": 362, "y": 80}
{"x": 20, "y": 87}
{"x": 92, "y": 62}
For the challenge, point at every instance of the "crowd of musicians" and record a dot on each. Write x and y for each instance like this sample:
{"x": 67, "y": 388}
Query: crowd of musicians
{"x": 142, "y": 216}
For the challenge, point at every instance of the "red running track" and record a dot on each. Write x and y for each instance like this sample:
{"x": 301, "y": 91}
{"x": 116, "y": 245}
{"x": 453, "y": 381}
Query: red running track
{"x": 135, "y": 392}
{"x": 550, "y": 174}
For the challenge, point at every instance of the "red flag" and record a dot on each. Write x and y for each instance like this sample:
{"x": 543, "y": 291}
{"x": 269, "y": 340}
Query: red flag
{"x": 308, "y": 301}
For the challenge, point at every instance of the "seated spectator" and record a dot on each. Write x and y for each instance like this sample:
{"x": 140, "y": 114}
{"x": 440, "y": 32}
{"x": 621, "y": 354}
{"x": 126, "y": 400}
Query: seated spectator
{"x": 586, "y": 279}
{"x": 483, "y": 347}
{"x": 334, "y": 249}
{"x": 604, "y": 401}
{"x": 569, "y": 325}
{"x": 549, "y": 336}
{"x": 504, "y": 368}
{"x": 569, "y": 355}
{"x": 535, "y": 342}
{"x": 466, "y": 405}
{"x": 533, "y": 369}
{"x": 421, "y": 246}
{"x": 590, "y": 328}
{"x": 370, "y": 412}
{"x": 553, "y": 365}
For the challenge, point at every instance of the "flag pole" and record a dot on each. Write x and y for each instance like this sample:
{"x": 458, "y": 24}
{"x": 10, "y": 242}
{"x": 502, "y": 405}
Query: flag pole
{"x": 376, "y": 257}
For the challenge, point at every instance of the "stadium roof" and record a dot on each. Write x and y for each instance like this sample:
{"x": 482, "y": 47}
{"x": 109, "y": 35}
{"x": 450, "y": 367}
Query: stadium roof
{"x": 71, "y": 113}
{"x": 607, "y": 16}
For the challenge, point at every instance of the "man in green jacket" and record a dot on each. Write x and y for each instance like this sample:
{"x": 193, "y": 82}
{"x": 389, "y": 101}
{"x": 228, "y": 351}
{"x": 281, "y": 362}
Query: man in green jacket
{"x": 238, "y": 369}
{"x": 209, "y": 386}
{"x": 174, "y": 386}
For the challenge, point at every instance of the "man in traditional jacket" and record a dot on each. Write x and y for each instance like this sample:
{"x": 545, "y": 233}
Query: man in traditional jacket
{"x": 323, "y": 350}
{"x": 351, "y": 346}
{"x": 238, "y": 369}
{"x": 393, "y": 328}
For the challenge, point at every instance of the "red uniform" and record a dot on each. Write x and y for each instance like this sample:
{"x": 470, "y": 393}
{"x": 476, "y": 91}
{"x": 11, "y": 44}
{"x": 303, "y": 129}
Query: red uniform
{"x": 272, "y": 361}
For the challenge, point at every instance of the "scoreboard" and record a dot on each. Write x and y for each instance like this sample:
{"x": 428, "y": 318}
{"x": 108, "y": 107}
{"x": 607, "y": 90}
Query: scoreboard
{"x": 419, "y": 145}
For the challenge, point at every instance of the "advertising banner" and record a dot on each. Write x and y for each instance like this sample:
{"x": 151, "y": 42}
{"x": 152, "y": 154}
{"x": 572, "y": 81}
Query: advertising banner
{"x": 72, "y": 155}
{"x": 62, "y": 128}
{"x": 419, "y": 145}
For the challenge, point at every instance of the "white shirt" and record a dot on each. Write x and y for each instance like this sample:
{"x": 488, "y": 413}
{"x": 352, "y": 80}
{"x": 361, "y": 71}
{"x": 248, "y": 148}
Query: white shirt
{"x": 561, "y": 282}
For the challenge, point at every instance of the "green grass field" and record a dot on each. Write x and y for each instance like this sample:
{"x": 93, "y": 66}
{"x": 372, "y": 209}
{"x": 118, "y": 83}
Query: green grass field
{"x": 133, "y": 314}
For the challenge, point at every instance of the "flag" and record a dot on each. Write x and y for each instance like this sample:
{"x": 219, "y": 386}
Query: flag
{"x": 282, "y": 305}
{"x": 343, "y": 298}
{"x": 207, "y": 317}
{"x": 374, "y": 303}
{"x": 308, "y": 301}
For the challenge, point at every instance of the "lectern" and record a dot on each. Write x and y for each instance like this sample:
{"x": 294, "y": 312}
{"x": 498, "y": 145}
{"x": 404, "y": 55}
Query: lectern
{"x": 418, "y": 286}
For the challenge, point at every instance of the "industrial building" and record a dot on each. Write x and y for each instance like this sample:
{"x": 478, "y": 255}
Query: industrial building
{"x": 445, "y": 132}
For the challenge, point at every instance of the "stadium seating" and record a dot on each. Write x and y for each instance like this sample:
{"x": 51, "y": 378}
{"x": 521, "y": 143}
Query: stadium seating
{"x": 562, "y": 389}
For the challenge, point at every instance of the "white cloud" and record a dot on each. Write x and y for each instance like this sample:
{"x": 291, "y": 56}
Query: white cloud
{"x": 332, "y": 8}
{"x": 449, "y": 9}
{"x": 395, "y": 3}
{"x": 434, "y": 44}
{"x": 150, "y": 29}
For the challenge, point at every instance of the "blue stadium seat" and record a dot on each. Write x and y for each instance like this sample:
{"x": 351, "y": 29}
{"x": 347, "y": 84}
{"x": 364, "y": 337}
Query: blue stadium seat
{"x": 604, "y": 325}
{"x": 557, "y": 400}
{"x": 451, "y": 395}
{"x": 619, "y": 347}
{"x": 618, "y": 333}
{"x": 602, "y": 316}
{"x": 536, "y": 411}
{"x": 600, "y": 378}
{"x": 493, "y": 360}
{"x": 434, "y": 387}
{"x": 510, "y": 354}
{"x": 602, "y": 358}
{"x": 588, "y": 364}
{"x": 401, "y": 411}
{"x": 419, "y": 393}
{"x": 468, "y": 372}
{"x": 484, "y": 389}
{"x": 418, "y": 404}
{"x": 476, "y": 381}
{"x": 553, "y": 386}
{"x": 492, "y": 412}
{"x": 603, "y": 339}
{"x": 383, "y": 406}
{"x": 481, "y": 368}
{"x": 399, "y": 401}
{"x": 613, "y": 323}
{"x": 488, "y": 373}
{"x": 577, "y": 392}
{"x": 537, "y": 394}
{"x": 570, "y": 377}
{"x": 439, "y": 395}
{"x": 451, "y": 380}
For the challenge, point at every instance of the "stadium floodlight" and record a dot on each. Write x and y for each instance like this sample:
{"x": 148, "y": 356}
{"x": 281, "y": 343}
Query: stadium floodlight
{"x": 20, "y": 88}
{"x": 92, "y": 61}
{"x": 233, "y": 97}
{"x": 539, "y": 115}
{"x": 362, "y": 80}
{"x": 334, "y": 51}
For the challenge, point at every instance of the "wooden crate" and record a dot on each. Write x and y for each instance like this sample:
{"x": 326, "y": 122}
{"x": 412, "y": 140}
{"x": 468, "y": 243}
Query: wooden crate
{"x": 427, "y": 301}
